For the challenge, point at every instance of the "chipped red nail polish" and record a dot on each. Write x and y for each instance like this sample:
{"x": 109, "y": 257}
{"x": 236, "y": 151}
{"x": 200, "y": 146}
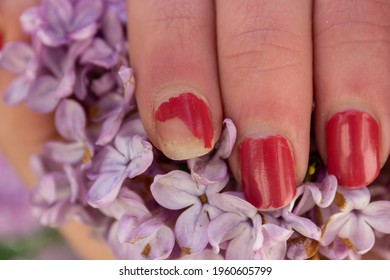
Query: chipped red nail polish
{"x": 192, "y": 111}
{"x": 267, "y": 172}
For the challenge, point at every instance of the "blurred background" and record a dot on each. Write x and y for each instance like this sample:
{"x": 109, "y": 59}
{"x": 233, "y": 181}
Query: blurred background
{"x": 21, "y": 235}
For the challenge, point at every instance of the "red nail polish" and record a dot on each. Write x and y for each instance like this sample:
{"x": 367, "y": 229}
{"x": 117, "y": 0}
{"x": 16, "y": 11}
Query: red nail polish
{"x": 267, "y": 172}
{"x": 352, "y": 141}
{"x": 1, "y": 39}
{"x": 191, "y": 110}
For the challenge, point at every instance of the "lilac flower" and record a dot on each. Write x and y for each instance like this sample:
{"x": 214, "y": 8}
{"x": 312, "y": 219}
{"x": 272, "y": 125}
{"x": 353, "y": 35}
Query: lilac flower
{"x": 16, "y": 219}
{"x": 129, "y": 157}
{"x": 112, "y": 108}
{"x": 177, "y": 190}
{"x": 41, "y": 91}
{"x": 240, "y": 231}
{"x": 138, "y": 234}
{"x": 310, "y": 194}
{"x": 59, "y": 22}
{"x": 358, "y": 219}
{"x": 61, "y": 195}
{"x": 70, "y": 121}
{"x": 19, "y": 58}
{"x": 100, "y": 54}
{"x": 212, "y": 167}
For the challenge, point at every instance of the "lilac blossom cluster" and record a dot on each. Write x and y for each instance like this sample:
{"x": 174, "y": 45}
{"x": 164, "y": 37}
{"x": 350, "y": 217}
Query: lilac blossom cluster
{"x": 104, "y": 172}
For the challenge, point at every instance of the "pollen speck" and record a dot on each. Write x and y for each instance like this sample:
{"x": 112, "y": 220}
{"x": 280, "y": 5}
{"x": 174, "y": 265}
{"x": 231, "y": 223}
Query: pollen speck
{"x": 146, "y": 251}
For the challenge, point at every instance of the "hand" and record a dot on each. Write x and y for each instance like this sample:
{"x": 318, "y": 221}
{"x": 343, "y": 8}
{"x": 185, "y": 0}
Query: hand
{"x": 262, "y": 63}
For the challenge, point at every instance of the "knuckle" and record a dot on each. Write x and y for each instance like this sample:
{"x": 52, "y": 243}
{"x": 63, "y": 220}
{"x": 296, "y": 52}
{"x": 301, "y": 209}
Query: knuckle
{"x": 363, "y": 22}
{"x": 176, "y": 16}
{"x": 262, "y": 39}
{"x": 264, "y": 49}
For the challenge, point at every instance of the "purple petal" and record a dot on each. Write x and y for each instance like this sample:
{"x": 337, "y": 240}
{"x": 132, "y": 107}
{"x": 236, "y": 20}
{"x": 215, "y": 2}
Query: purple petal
{"x": 233, "y": 204}
{"x": 110, "y": 128}
{"x": 64, "y": 152}
{"x": 225, "y": 227}
{"x": 131, "y": 127}
{"x": 337, "y": 251}
{"x": 57, "y": 16}
{"x": 58, "y": 13}
{"x": 109, "y": 105}
{"x": 105, "y": 189}
{"x": 81, "y": 81}
{"x": 70, "y": 120}
{"x": 359, "y": 233}
{"x": 216, "y": 187}
{"x": 84, "y": 22}
{"x": 31, "y": 20}
{"x": 332, "y": 227}
{"x": 191, "y": 229}
{"x": 206, "y": 254}
{"x": 107, "y": 160}
{"x": 52, "y": 187}
{"x": 57, "y": 214}
{"x": 15, "y": 57}
{"x": 377, "y": 215}
{"x": 140, "y": 154}
{"x": 17, "y": 91}
{"x": 127, "y": 77}
{"x": 53, "y": 59}
{"x": 227, "y": 140}
{"x": 275, "y": 242}
{"x": 241, "y": 247}
{"x": 104, "y": 85}
{"x": 162, "y": 244}
{"x": 100, "y": 54}
{"x": 157, "y": 246}
{"x": 76, "y": 185}
{"x": 323, "y": 195}
{"x": 127, "y": 201}
{"x": 66, "y": 86}
{"x": 352, "y": 199}
{"x": 206, "y": 170}
{"x": 132, "y": 230}
{"x": 175, "y": 190}
{"x": 41, "y": 97}
{"x": 113, "y": 30}
{"x": 302, "y": 225}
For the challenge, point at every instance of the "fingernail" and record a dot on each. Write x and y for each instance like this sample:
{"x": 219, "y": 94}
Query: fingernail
{"x": 352, "y": 140}
{"x": 1, "y": 38}
{"x": 184, "y": 126}
{"x": 267, "y": 172}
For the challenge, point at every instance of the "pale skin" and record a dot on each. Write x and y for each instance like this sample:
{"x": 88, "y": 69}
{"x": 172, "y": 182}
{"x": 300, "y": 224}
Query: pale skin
{"x": 260, "y": 63}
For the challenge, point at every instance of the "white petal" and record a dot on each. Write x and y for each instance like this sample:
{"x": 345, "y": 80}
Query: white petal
{"x": 359, "y": 233}
{"x": 225, "y": 227}
{"x": 105, "y": 189}
{"x": 191, "y": 229}
{"x": 176, "y": 190}
{"x": 377, "y": 214}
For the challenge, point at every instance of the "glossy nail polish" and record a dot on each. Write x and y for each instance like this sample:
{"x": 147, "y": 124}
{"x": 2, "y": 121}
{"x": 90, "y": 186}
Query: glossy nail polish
{"x": 352, "y": 142}
{"x": 1, "y": 39}
{"x": 184, "y": 126}
{"x": 267, "y": 172}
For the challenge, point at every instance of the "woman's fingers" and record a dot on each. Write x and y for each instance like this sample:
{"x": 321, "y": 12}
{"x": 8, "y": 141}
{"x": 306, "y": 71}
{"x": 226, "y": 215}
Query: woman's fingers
{"x": 352, "y": 70}
{"x": 265, "y": 62}
{"x": 173, "y": 53}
